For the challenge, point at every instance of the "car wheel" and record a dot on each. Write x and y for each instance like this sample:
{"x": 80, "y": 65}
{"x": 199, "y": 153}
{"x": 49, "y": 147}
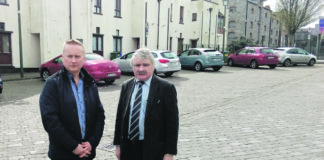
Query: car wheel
{"x": 311, "y": 62}
{"x": 45, "y": 74}
{"x": 254, "y": 64}
{"x": 217, "y": 68}
{"x": 286, "y": 63}
{"x": 111, "y": 81}
{"x": 230, "y": 62}
{"x": 168, "y": 74}
{"x": 198, "y": 66}
{"x": 273, "y": 66}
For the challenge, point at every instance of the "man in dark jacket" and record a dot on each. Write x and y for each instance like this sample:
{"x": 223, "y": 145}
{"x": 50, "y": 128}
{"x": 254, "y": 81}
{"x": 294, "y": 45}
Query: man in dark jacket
{"x": 71, "y": 110}
{"x": 147, "y": 120}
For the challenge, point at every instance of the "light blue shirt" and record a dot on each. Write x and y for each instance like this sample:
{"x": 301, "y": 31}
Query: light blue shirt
{"x": 145, "y": 92}
{"x": 79, "y": 99}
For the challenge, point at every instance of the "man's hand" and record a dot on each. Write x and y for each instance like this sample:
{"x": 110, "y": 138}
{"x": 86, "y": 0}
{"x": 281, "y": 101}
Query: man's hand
{"x": 168, "y": 157}
{"x": 83, "y": 150}
{"x": 118, "y": 152}
{"x": 87, "y": 147}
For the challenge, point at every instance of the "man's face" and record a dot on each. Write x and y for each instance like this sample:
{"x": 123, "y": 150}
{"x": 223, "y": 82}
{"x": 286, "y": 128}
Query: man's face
{"x": 143, "y": 69}
{"x": 73, "y": 58}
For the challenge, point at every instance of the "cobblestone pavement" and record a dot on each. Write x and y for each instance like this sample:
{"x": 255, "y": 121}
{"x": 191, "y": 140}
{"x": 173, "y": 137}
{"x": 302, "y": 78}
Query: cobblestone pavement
{"x": 236, "y": 113}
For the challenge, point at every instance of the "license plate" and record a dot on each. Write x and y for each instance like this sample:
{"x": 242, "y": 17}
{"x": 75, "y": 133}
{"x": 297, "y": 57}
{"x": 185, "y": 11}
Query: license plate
{"x": 111, "y": 74}
{"x": 270, "y": 57}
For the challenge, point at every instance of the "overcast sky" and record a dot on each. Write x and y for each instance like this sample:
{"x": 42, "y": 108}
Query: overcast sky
{"x": 272, "y": 4}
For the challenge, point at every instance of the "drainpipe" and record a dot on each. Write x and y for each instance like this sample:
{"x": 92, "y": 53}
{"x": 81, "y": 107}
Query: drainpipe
{"x": 210, "y": 10}
{"x": 70, "y": 16}
{"x": 20, "y": 42}
{"x": 158, "y": 30}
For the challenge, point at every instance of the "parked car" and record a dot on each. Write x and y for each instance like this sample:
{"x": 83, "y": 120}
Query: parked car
{"x": 98, "y": 67}
{"x": 1, "y": 84}
{"x": 166, "y": 62}
{"x": 254, "y": 57}
{"x": 201, "y": 58}
{"x": 293, "y": 56}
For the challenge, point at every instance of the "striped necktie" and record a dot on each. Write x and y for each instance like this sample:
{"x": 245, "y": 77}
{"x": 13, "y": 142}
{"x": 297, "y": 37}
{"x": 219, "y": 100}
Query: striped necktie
{"x": 134, "y": 126}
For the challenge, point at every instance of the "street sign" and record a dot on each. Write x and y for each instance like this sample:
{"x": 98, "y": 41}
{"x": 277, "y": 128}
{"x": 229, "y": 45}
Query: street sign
{"x": 321, "y": 25}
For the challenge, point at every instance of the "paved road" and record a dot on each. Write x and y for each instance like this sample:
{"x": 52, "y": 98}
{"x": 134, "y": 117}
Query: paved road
{"x": 236, "y": 113}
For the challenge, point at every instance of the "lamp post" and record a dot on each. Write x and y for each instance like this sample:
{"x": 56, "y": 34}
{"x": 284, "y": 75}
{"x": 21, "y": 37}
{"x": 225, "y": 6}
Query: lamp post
{"x": 225, "y": 3}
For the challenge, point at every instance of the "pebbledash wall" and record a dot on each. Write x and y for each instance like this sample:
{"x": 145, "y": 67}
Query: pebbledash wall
{"x": 47, "y": 24}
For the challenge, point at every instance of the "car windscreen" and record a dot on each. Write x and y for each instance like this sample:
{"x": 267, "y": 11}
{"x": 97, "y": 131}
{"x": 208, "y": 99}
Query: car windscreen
{"x": 277, "y": 49}
{"x": 168, "y": 55}
{"x": 93, "y": 57}
{"x": 267, "y": 50}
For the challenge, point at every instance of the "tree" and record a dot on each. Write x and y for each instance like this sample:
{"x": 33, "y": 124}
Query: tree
{"x": 295, "y": 14}
{"x": 241, "y": 43}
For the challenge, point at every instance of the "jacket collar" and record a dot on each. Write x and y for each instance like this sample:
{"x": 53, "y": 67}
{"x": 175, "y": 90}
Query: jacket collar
{"x": 88, "y": 79}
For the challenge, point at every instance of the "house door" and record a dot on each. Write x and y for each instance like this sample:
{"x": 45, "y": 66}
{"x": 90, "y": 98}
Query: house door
{"x": 5, "y": 49}
{"x": 180, "y": 45}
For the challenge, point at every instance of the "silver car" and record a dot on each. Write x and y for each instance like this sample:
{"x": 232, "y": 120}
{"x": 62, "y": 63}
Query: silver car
{"x": 166, "y": 62}
{"x": 293, "y": 56}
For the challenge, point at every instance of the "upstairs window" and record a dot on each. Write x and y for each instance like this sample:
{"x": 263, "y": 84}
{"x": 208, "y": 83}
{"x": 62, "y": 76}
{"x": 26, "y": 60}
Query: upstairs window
{"x": 3, "y": 2}
{"x": 181, "y": 15}
{"x": 117, "y": 8}
{"x": 97, "y": 6}
{"x": 231, "y": 24}
{"x": 231, "y": 35}
{"x": 252, "y": 10}
{"x": 194, "y": 17}
{"x": 232, "y": 9}
{"x": 251, "y": 24}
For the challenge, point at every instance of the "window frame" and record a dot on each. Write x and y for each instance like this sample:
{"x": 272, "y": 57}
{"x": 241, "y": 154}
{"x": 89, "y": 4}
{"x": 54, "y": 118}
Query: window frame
{"x": 181, "y": 15}
{"x": 117, "y": 40}
{"x": 194, "y": 17}
{"x": 117, "y": 8}
{"x": 97, "y": 7}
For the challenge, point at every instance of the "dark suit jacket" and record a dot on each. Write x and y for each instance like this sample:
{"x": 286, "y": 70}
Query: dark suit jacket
{"x": 161, "y": 119}
{"x": 60, "y": 116}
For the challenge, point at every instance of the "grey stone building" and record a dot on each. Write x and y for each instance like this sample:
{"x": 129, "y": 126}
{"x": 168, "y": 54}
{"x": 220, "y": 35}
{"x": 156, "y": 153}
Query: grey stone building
{"x": 250, "y": 19}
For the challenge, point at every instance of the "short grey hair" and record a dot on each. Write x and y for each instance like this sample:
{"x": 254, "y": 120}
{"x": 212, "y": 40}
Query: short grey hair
{"x": 142, "y": 54}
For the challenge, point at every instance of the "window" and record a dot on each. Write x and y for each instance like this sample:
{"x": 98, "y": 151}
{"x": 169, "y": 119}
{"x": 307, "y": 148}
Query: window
{"x": 5, "y": 48}
{"x": 194, "y": 17}
{"x": 2, "y": 26}
{"x": 97, "y": 44}
{"x": 251, "y": 35}
{"x": 220, "y": 24}
{"x": 252, "y": 10}
{"x": 266, "y": 15}
{"x": 3, "y": 1}
{"x": 265, "y": 28}
{"x": 231, "y": 24}
{"x": 117, "y": 43}
{"x": 251, "y": 24}
{"x": 232, "y": 9}
{"x": 231, "y": 35}
{"x": 181, "y": 14}
{"x": 117, "y": 8}
{"x": 97, "y": 6}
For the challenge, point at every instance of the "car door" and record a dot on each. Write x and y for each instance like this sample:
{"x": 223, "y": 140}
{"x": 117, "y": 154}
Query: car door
{"x": 183, "y": 56}
{"x": 293, "y": 55}
{"x": 240, "y": 57}
{"x": 194, "y": 55}
{"x": 247, "y": 57}
{"x": 56, "y": 65}
{"x": 303, "y": 56}
{"x": 124, "y": 62}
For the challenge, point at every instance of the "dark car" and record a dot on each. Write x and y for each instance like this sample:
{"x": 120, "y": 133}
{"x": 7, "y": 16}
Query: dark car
{"x": 254, "y": 57}
{"x": 1, "y": 84}
{"x": 98, "y": 67}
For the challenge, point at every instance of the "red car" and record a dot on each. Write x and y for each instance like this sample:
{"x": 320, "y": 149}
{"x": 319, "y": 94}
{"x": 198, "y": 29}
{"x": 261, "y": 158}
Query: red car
{"x": 98, "y": 67}
{"x": 254, "y": 57}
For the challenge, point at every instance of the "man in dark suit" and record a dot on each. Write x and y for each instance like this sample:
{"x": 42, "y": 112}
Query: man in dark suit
{"x": 71, "y": 110}
{"x": 151, "y": 132}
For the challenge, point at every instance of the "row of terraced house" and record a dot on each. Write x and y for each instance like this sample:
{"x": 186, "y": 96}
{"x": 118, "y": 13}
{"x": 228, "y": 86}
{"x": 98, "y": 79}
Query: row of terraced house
{"x": 108, "y": 27}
